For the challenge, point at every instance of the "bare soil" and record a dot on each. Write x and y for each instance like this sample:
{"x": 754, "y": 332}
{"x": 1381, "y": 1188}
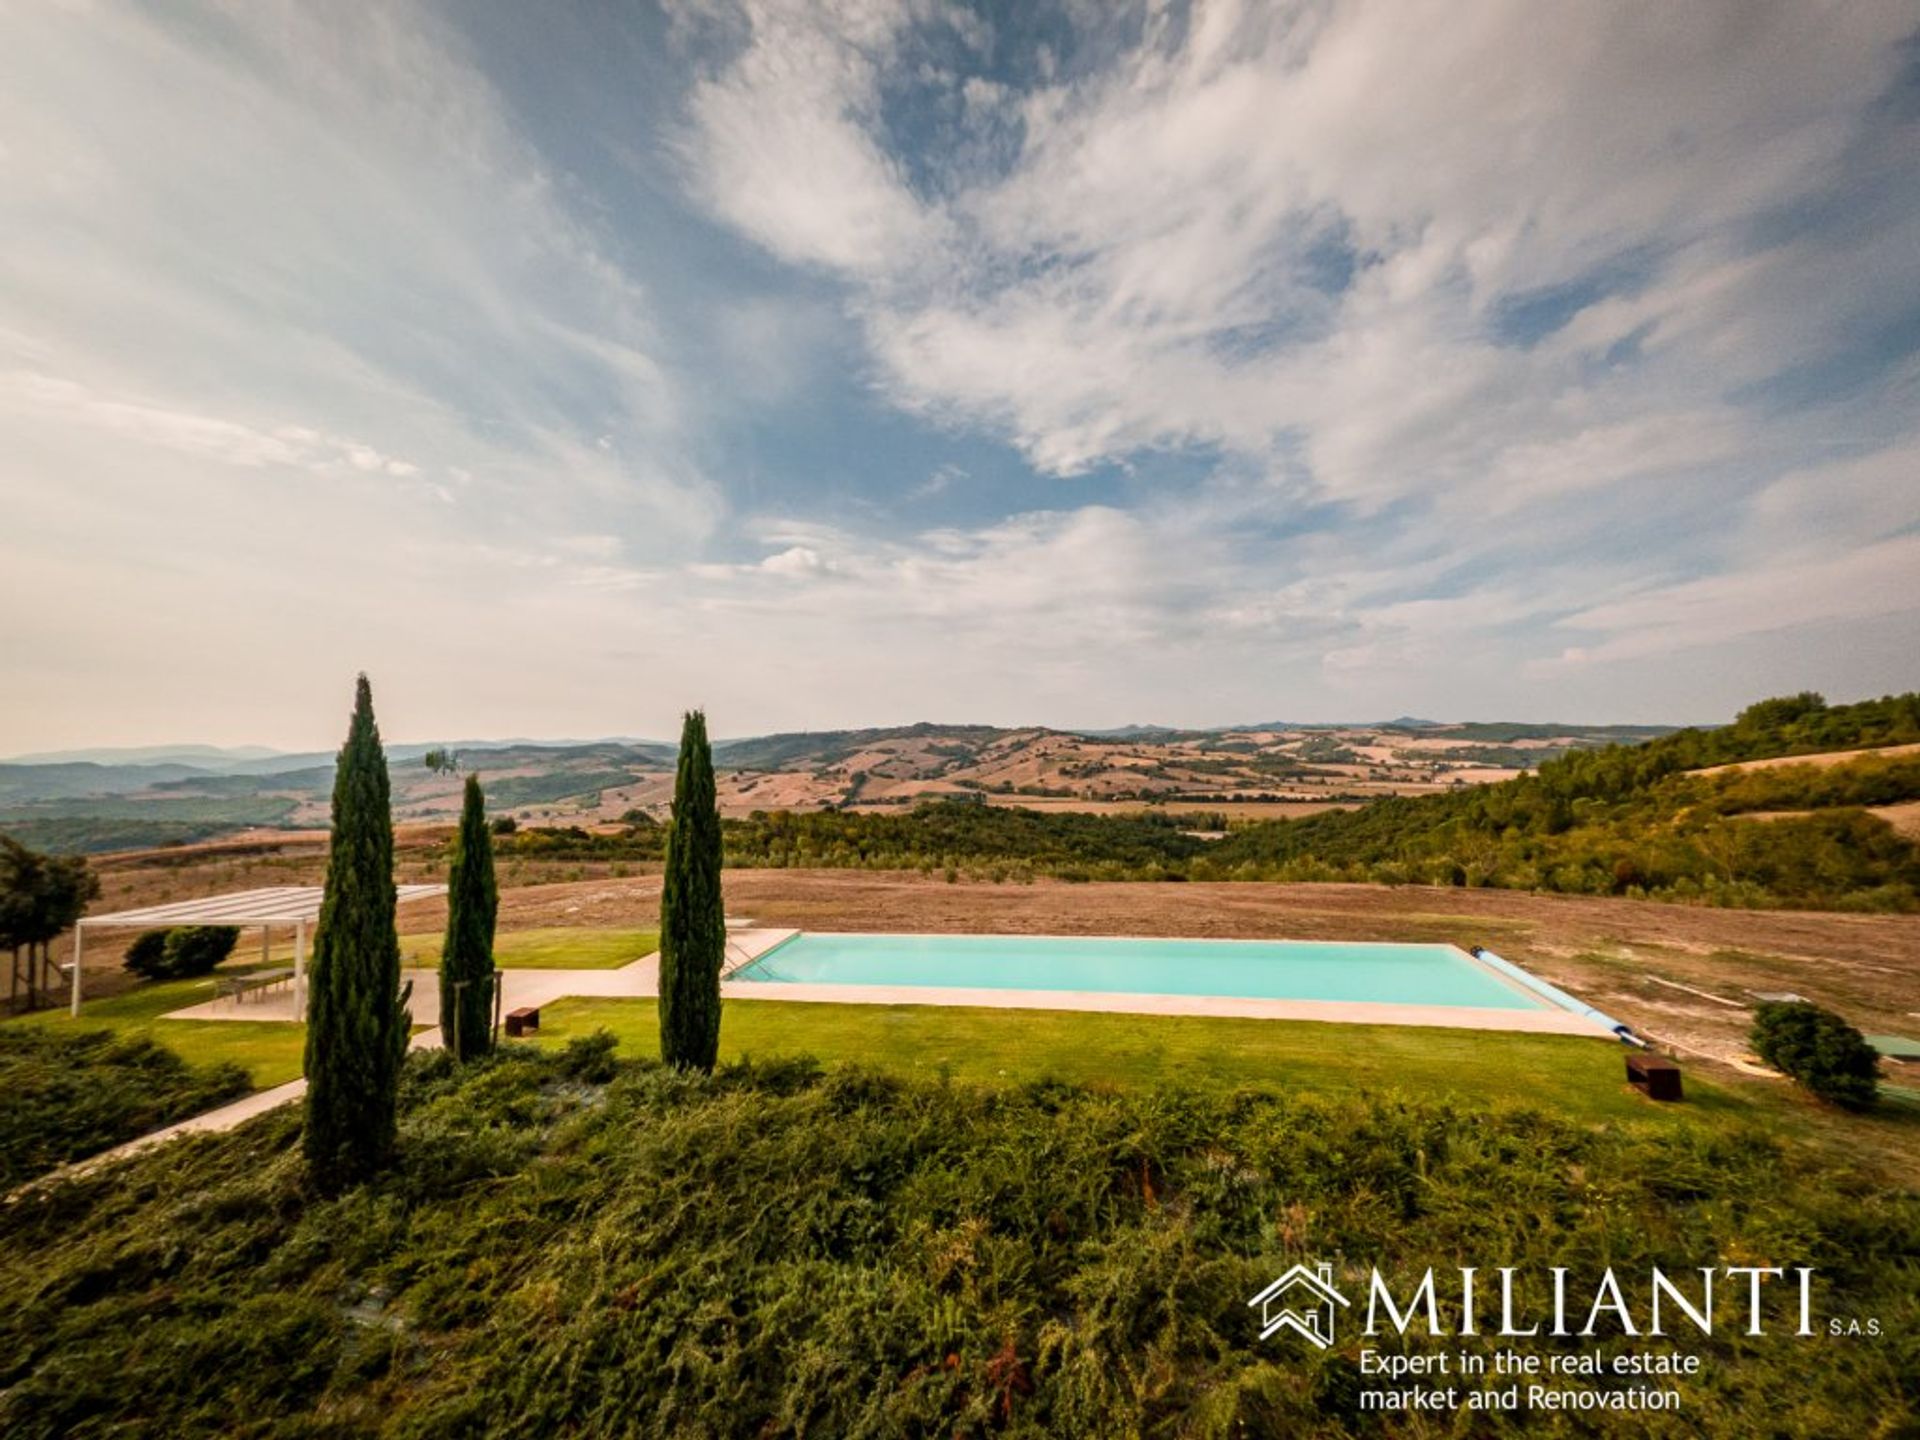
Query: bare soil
{"x": 1820, "y": 761}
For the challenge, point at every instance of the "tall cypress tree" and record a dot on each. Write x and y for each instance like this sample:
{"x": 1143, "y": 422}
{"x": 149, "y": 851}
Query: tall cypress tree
{"x": 357, "y": 1022}
{"x": 466, "y": 956}
{"x": 693, "y": 920}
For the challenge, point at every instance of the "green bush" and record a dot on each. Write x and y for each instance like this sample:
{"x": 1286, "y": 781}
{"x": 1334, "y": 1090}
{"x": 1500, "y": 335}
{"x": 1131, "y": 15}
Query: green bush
{"x": 196, "y": 949}
{"x": 147, "y": 955}
{"x": 1820, "y": 1050}
{"x": 182, "y": 952}
{"x": 589, "y": 1058}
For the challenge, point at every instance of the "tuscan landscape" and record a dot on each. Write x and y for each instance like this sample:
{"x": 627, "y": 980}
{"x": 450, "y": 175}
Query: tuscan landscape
{"x": 849, "y": 719}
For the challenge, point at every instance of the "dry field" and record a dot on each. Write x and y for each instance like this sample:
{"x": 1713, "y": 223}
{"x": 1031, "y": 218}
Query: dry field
{"x": 1819, "y": 761}
{"x": 1307, "y": 769}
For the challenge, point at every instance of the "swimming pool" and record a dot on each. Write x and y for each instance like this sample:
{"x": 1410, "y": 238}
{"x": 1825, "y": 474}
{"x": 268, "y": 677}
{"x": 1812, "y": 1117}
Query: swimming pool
{"x": 1253, "y": 970}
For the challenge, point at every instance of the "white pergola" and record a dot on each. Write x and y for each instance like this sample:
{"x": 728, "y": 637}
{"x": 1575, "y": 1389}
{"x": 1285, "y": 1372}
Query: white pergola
{"x": 294, "y": 905}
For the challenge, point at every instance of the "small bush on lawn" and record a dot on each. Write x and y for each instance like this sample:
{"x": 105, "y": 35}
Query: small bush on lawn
{"x": 1820, "y": 1050}
{"x": 182, "y": 952}
{"x": 147, "y": 955}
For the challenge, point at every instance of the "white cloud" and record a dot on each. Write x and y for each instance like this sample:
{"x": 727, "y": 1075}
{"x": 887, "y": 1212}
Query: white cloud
{"x": 30, "y": 397}
{"x": 1881, "y": 579}
{"x": 1287, "y": 234}
{"x": 783, "y": 147}
{"x": 1172, "y": 200}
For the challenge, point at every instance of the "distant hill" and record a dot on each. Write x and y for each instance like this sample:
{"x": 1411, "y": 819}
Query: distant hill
{"x": 1678, "y": 816}
{"x": 1501, "y": 732}
{"x": 825, "y": 747}
{"x": 211, "y": 757}
{"x": 149, "y": 794}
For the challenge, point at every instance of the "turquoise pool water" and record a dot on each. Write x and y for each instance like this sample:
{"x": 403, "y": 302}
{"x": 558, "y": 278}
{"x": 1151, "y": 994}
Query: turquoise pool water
{"x": 1248, "y": 969}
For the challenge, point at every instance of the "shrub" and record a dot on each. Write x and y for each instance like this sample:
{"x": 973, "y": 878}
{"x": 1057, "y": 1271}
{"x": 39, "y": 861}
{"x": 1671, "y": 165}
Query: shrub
{"x": 147, "y": 955}
{"x": 1820, "y": 1050}
{"x": 182, "y": 952}
{"x": 589, "y": 1058}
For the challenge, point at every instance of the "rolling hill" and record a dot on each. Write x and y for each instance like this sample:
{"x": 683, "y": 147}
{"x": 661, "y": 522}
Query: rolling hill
{"x": 159, "y": 795}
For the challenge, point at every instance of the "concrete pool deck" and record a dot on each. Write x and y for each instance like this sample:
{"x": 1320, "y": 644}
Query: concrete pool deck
{"x": 1544, "y": 1020}
{"x": 1349, "y": 1012}
{"x": 641, "y": 980}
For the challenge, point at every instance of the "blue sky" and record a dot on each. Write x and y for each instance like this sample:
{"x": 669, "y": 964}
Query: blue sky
{"x": 856, "y": 363}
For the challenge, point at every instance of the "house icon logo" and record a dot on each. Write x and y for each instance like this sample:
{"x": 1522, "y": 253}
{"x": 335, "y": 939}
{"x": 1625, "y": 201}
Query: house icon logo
{"x": 1301, "y": 1300}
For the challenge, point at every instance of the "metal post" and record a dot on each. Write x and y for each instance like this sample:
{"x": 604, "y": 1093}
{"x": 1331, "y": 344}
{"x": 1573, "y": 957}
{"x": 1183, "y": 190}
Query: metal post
{"x": 299, "y": 969}
{"x": 266, "y": 945}
{"x": 76, "y": 965}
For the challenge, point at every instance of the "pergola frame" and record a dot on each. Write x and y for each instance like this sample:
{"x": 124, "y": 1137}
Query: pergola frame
{"x": 295, "y": 905}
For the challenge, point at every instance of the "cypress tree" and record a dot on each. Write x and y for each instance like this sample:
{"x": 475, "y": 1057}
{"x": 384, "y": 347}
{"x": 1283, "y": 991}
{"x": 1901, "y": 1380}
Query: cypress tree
{"x": 357, "y": 1022}
{"x": 466, "y": 956}
{"x": 693, "y": 922}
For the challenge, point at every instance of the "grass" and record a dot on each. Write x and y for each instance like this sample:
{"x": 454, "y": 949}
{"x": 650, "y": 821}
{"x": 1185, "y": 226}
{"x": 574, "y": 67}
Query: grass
{"x": 556, "y": 948}
{"x": 271, "y": 1052}
{"x": 570, "y": 1247}
{"x": 1576, "y": 1079}
{"x": 71, "y": 1094}
{"x": 1573, "y": 1078}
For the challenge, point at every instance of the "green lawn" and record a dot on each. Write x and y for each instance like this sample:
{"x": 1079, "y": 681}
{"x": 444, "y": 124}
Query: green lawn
{"x": 1577, "y": 1077}
{"x": 270, "y": 1051}
{"x": 552, "y": 949}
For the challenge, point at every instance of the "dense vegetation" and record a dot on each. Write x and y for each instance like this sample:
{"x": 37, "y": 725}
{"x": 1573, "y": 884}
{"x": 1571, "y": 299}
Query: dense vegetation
{"x": 93, "y": 826}
{"x": 951, "y": 834}
{"x": 1820, "y": 1050}
{"x": 1002, "y": 840}
{"x": 775, "y": 1251}
{"x": 68, "y": 1096}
